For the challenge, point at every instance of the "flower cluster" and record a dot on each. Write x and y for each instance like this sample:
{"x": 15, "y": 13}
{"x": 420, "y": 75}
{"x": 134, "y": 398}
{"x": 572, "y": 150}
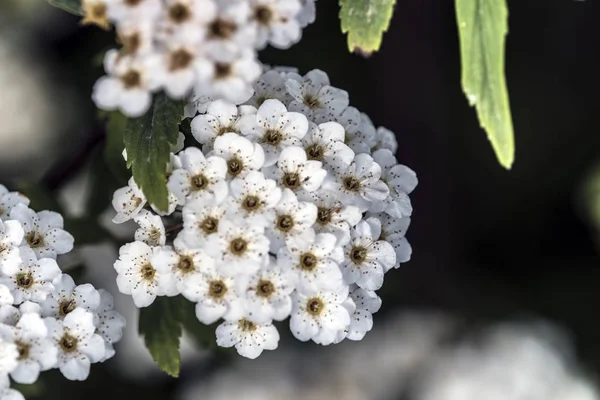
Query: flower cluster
{"x": 293, "y": 206}
{"x": 190, "y": 46}
{"x": 46, "y": 320}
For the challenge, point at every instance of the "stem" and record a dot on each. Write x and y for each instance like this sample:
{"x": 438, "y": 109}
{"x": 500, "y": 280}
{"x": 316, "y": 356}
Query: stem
{"x": 174, "y": 227}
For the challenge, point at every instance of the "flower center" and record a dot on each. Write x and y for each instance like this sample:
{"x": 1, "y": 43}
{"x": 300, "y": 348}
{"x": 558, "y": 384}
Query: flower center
{"x": 246, "y": 326}
{"x": 323, "y": 216}
{"x": 238, "y": 246}
{"x": 24, "y": 280}
{"x": 222, "y": 29}
{"x": 35, "y": 239}
{"x": 285, "y": 223}
{"x": 265, "y": 288}
{"x": 209, "y": 225}
{"x": 291, "y": 180}
{"x": 311, "y": 101}
{"x": 217, "y": 289}
{"x": 222, "y": 71}
{"x": 131, "y": 79}
{"x": 179, "y": 13}
{"x": 198, "y": 182}
{"x": 235, "y": 166}
{"x": 180, "y": 59}
{"x": 358, "y": 255}
{"x": 308, "y": 261}
{"x": 251, "y": 203}
{"x": 132, "y": 3}
{"x": 66, "y": 306}
{"x": 315, "y": 152}
{"x": 23, "y": 349}
{"x": 68, "y": 343}
{"x": 263, "y": 15}
{"x": 273, "y": 137}
{"x": 154, "y": 236}
{"x": 3, "y": 248}
{"x": 314, "y": 306}
{"x": 148, "y": 272}
{"x": 351, "y": 184}
{"x": 131, "y": 43}
{"x": 186, "y": 264}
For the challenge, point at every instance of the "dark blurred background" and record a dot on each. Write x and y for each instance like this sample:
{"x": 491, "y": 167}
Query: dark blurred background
{"x": 489, "y": 245}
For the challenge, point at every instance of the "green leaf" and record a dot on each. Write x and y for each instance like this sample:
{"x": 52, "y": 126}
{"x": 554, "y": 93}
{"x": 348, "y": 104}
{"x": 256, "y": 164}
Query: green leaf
{"x": 160, "y": 323}
{"x": 148, "y": 140}
{"x": 116, "y": 123}
{"x": 365, "y": 21}
{"x": 482, "y": 27}
{"x": 72, "y": 6}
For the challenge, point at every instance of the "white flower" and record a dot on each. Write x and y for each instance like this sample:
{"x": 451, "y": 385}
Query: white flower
{"x": 66, "y": 297}
{"x": 201, "y": 217}
{"x": 319, "y": 315}
{"x": 229, "y": 32}
{"x": 249, "y": 339}
{"x": 137, "y": 276}
{"x": 231, "y": 80}
{"x": 307, "y": 13}
{"x": 400, "y": 180}
{"x": 44, "y": 232}
{"x": 11, "y": 236}
{"x": 128, "y": 201}
{"x": 359, "y": 132}
{"x": 314, "y": 96}
{"x": 270, "y": 85}
{"x": 367, "y": 303}
{"x": 332, "y": 215}
{"x": 252, "y": 196}
{"x": 198, "y": 104}
{"x": 216, "y": 296}
{"x": 183, "y": 263}
{"x": 268, "y": 295}
{"x": 78, "y": 345}
{"x": 187, "y": 18}
{"x": 295, "y": 172}
{"x": 221, "y": 117}
{"x": 274, "y": 128}
{"x": 6, "y": 298}
{"x": 276, "y": 23}
{"x": 385, "y": 139}
{"x": 129, "y": 85}
{"x": 110, "y": 323}
{"x": 393, "y": 231}
{"x": 36, "y": 350}
{"x": 10, "y": 394}
{"x": 8, "y": 200}
{"x": 367, "y": 259}
{"x": 238, "y": 248}
{"x": 151, "y": 229}
{"x": 127, "y": 10}
{"x": 325, "y": 143}
{"x": 199, "y": 177}
{"x": 240, "y": 154}
{"x": 359, "y": 184}
{"x": 9, "y": 354}
{"x": 314, "y": 261}
{"x": 177, "y": 68}
{"x": 136, "y": 38}
{"x": 10, "y": 315}
{"x": 31, "y": 279}
{"x": 291, "y": 218}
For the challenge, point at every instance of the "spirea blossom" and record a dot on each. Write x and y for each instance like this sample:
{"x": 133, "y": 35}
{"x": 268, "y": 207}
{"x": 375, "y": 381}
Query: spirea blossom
{"x": 190, "y": 48}
{"x": 46, "y": 320}
{"x": 290, "y": 206}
